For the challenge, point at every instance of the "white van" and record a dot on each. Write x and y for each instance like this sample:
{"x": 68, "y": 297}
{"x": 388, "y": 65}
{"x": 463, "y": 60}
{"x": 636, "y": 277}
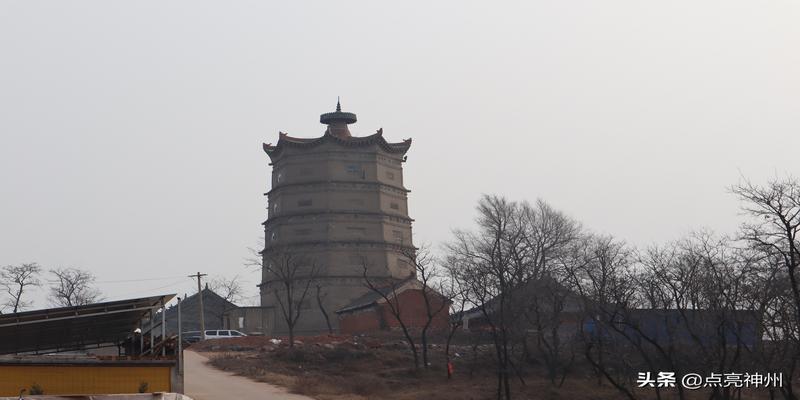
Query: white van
{"x": 223, "y": 334}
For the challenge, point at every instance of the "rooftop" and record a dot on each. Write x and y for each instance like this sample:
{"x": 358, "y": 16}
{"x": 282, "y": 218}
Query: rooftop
{"x": 74, "y": 328}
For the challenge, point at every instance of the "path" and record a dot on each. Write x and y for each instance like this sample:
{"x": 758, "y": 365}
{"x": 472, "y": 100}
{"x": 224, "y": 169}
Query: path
{"x": 204, "y": 382}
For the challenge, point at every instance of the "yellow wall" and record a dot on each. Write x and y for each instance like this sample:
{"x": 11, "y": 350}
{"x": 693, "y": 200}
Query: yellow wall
{"x": 70, "y": 379}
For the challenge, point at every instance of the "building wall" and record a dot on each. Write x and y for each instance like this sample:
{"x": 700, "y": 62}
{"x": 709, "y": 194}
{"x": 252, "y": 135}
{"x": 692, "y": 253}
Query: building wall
{"x": 83, "y": 379}
{"x": 379, "y": 316}
{"x": 343, "y": 207}
{"x": 250, "y": 320}
{"x": 214, "y": 308}
{"x": 360, "y": 321}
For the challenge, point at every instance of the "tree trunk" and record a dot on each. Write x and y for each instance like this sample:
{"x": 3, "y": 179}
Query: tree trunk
{"x": 424, "y": 340}
{"x": 324, "y": 313}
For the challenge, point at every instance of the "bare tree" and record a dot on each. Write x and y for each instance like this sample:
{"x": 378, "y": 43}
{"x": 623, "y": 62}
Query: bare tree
{"x": 492, "y": 263}
{"x": 513, "y": 250}
{"x": 453, "y": 290}
{"x": 423, "y": 276}
{"x": 320, "y": 297}
{"x": 293, "y": 276}
{"x": 15, "y": 279}
{"x": 600, "y": 272}
{"x": 387, "y": 290}
{"x": 775, "y": 225}
{"x": 700, "y": 304}
{"x": 545, "y": 310}
{"x": 427, "y": 272}
{"x": 255, "y": 257}
{"x": 230, "y": 289}
{"x": 772, "y": 231}
{"x": 73, "y": 287}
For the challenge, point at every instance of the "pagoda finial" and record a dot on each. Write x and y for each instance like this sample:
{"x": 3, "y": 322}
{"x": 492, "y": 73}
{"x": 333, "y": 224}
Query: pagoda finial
{"x": 338, "y": 120}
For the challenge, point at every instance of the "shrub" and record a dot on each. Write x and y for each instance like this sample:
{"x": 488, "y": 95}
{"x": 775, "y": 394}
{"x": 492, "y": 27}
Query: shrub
{"x": 36, "y": 389}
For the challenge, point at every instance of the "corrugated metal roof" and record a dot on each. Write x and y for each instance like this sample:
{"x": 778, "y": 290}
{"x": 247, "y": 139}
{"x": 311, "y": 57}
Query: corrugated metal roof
{"x": 71, "y": 328}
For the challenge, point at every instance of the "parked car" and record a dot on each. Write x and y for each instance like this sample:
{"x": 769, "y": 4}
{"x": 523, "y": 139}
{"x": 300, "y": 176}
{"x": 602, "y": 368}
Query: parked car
{"x": 191, "y": 337}
{"x": 223, "y": 334}
{"x": 194, "y": 336}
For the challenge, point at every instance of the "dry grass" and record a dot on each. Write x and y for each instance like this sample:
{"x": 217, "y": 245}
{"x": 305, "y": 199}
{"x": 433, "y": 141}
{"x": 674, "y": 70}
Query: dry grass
{"x": 367, "y": 369}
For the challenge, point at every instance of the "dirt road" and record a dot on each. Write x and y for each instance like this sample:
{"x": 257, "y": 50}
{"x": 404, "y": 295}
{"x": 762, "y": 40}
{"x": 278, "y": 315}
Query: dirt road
{"x": 204, "y": 382}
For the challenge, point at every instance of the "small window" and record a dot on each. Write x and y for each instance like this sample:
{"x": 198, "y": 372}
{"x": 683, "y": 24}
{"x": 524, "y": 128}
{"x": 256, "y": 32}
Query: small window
{"x": 356, "y": 170}
{"x": 398, "y": 235}
{"x": 304, "y": 203}
{"x": 389, "y": 175}
{"x": 394, "y": 206}
{"x": 274, "y": 236}
{"x": 279, "y": 177}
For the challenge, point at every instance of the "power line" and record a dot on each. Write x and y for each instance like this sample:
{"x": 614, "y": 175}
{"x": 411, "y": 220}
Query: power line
{"x": 172, "y": 284}
{"x": 141, "y": 280}
{"x": 132, "y": 280}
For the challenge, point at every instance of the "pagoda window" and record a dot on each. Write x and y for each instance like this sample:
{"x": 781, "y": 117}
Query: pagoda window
{"x": 305, "y": 203}
{"x": 390, "y": 175}
{"x": 394, "y": 206}
{"x": 356, "y": 170}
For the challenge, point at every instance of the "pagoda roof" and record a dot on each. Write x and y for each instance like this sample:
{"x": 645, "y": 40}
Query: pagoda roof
{"x": 284, "y": 140}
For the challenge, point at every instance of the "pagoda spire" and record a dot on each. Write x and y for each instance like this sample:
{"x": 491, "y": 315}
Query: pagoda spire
{"x": 338, "y": 120}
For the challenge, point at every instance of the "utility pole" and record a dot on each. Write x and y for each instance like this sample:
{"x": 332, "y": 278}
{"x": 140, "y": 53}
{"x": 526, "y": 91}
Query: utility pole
{"x": 180, "y": 344}
{"x": 202, "y": 313}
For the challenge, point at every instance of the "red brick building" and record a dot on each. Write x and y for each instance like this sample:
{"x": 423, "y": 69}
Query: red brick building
{"x": 372, "y": 313}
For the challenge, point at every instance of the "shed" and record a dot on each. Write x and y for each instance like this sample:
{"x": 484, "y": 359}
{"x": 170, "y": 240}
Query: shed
{"x": 370, "y": 312}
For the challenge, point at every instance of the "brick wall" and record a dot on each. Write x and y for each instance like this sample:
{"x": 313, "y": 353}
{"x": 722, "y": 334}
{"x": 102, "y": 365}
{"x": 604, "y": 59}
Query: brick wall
{"x": 379, "y": 316}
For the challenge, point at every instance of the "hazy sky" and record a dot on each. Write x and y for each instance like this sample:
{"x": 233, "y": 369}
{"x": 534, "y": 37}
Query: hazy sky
{"x": 131, "y": 131}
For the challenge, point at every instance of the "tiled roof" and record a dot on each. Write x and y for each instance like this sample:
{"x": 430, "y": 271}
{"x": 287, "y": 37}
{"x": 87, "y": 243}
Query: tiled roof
{"x": 284, "y": 140}
{"x": 374, "y": 296}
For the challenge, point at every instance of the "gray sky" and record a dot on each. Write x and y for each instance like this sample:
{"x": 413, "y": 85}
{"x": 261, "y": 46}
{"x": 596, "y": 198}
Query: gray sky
{"x": 131, "y": 131}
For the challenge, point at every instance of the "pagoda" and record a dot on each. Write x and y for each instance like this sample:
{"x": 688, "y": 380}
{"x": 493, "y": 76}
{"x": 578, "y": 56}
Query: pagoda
{"x": 340, "y": 202}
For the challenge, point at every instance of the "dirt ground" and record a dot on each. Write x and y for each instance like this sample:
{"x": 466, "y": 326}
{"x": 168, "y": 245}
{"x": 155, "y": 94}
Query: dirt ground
{"x": 347, "y": 367}
{"x": 203, "y": 382}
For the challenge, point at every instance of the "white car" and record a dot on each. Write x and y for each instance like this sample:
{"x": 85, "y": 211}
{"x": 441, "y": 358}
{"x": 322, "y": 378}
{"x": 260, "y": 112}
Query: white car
{"x": 194, "y": 336}
{"x": 223, "y": 334}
